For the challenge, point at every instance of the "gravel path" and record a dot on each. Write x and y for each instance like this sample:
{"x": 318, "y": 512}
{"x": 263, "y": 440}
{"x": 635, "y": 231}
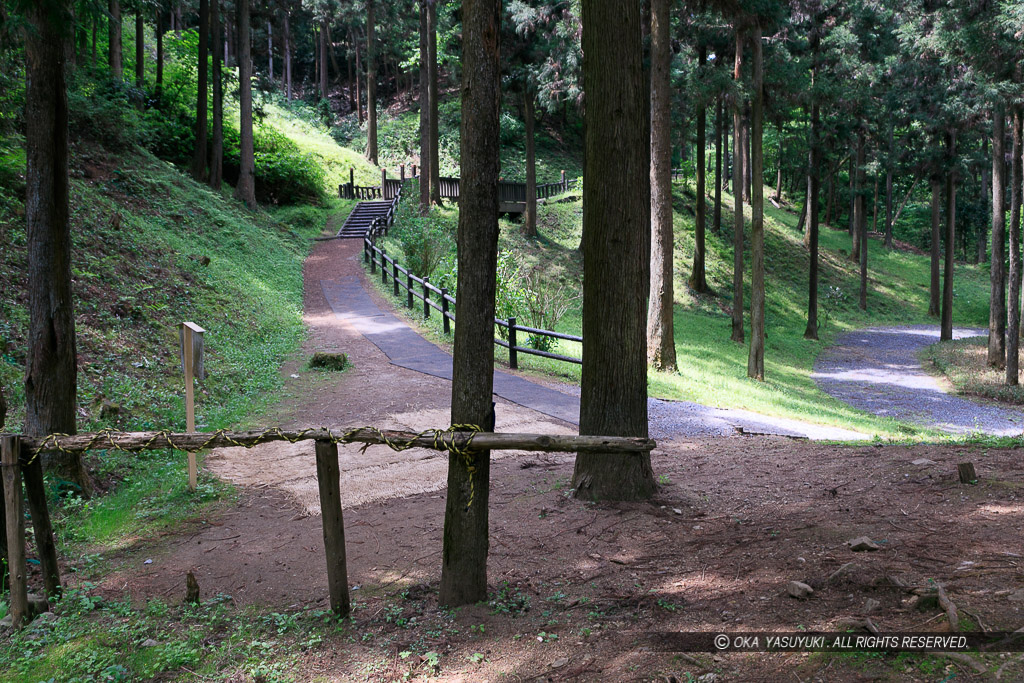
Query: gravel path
{"x": 876, "y": 369}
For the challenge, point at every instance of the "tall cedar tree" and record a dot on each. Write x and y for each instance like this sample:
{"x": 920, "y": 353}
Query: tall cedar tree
{"x": 324, "y": 80}
{"x": 201, "y": 152}
{"x": 435, "y": 152}
{"x": 755, "y": 360}
{"x": 737, "y": 191}
{"x": 530, "y": 215}
{"x": 464, "y": 555}
{"x": 161, "y": 26}
{"x": 245, "y": 190}
{"x": 424, "y": 102}
{"x": 286, "y": 37}
{"x": 997, "y": 299}
{"x": 813, "y": 189}
{"x": 114, "y": 58}
{"x": 716, "y": 226}
{"x": 140, "y": 45}
{"x": 371, "y": 82}
{"x": 661, "y": 345}
{"x": 217, "y": 146}
{"x": 698, "y": 279}
{"x": 861, "y": 230}
{"x": 1013, "y": 325}
{"x": 616, "y": 226}
{"x": 936, "y": 250}
{"x": 946, "y": 331}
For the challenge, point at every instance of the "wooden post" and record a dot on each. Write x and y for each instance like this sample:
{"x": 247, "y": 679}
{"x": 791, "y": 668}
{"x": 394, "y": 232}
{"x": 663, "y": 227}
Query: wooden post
{"x": 513, "y": 355}
{"x": 565, "y": 185}
{"x": 444, "y": 311}
{"x": 35, "y": 492}
{"x": 190, "y": 335}
{"x": 394, "y": 275}
{"x": 401, "y": 172}
{"x": 414, "y": 170}
{"x": 327, "y": 476}
{"x": 10, "y": 452}
{"x": 426, "y": 297}
{"x": 383, "y": 183}
{"x": 373, "y": 258}
{"x": 352, "y": 176}
{"x": 408, "y": 289}
{"x": 967, "y": 473}
{"x": 366, "y": 251}
{"x": 383, "y": 266}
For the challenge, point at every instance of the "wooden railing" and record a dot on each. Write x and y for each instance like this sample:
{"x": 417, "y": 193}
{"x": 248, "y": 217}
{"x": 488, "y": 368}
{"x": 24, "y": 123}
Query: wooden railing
{"x": 380, "y": 225}
{"x": 438, "y": 299}
{"x": 508, "y": 192}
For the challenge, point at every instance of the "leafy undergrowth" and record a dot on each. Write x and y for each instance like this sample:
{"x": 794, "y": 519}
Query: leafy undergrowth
{"x": 964, "y": 362}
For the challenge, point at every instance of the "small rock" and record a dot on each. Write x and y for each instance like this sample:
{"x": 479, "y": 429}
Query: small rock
{"x": 840, "y": 573}
{"x": 559, "y": 663}
{"x": 148, "y": 562}
{"x": 294, "y": 376}
{"x": 1016, "y": 596}
{"x": 677, "y": 511}
{"x": 923, "y": 461}
{"x": 798, "y": 590}
{"x": 149, "y": 642}
{"x": 708, "y": 678}
{"x": 871, "y": 605}
{"x": 862, "y": 543}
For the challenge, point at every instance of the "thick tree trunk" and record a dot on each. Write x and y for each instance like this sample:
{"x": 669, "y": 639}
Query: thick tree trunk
{"x": 217, "y": 147}
{"x": 936, "y": 250}
{"x": 1013, "y": 305}
{"x": 997, "y": 297}
{"x": 51, "y": 365}
{"x": 287, "y": 37}
{"x": 661, "y": 347}
{"x": 698, "y": 278}
{"x": 140, "y": 51}
{"x": 755, "y": 360}
{"x": 201, "y": 152}
{"x": 946, "y": 332}
{"x": 433, "y": 95}
{"x": 245, "y": 190}
{"x": 717, "y": 220}
{"x": 371, "y": 83}
{"x": 530, "y": 217}
{"x": 114, "y": 40}
{"x": 614, "y": 241}
{"x": 814, "y": 184}
{"x": 464, "y": 558}
{"x": 862, "y": 222}
{"x": 737, "y": 184}
{"x": 424, "y": 102}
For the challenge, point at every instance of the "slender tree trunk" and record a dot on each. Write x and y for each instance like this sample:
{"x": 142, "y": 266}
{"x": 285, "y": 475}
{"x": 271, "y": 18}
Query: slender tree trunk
{"x": 114, "y": 40}
{"x": 661, "y": 347}
{"x": 359, "y": 93}
{"x": 140, "y": 52}
{"x": 874, "y": 209}
{"x": 287, "y": 55}
{"x": 92, "y": 56}
{"x": 778, "y": 172}
{"x": 332, "y": 55}
{"x": 737, "y": 182}
{"x": 464, "y": 557}
{"x": 698, "y": 278}
{"x": 862, "y": 222}
{"x": 856, "y": 205}
{"x": 987, "y": 189}
{"x": 1013, "y": 307}
{"x": 530, "y": 217}
{"x": 51, "y": 363}
{"x": 325, "y": 91}
{"x": 936, "y": 250}
{"x": 755, "y": 361}
{"x": 888, "y": 190}
{"x": 946, "y": 333}
{"x": 351, "y": 75}
{"x": 245, "y": 190}
{"x": 201, "y": 152}
{"x": 997, "y": 299}
{"x": 614, "y": 241}
{"x": 717, "y": 221}
{"x": 270, "y": 49}
{"x": 748, "y": 169}
{"x": 433, "y": 95}
{"x": 814, "y": 183}
{"x": 217, "y": 148}
{"x": 424, "y": 102}
{"x": 161, "y": 26}
{"x": 371, "y": 83}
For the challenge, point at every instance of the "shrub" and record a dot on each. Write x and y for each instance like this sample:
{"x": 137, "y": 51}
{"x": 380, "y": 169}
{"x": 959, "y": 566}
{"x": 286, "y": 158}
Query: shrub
{"x": 510, "y": 294}
{"x": 546, "y": 304}
{"x": 425, "y": 242}
{"x": 284, "y": 175}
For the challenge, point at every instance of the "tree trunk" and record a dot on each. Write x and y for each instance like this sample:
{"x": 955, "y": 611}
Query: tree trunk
{"x": 140, "y": 52}
{"x": 813, "y": 187}
{"x": 748, "y": 172}
{"x": 433, "y": 95}
{"x": 332, "y": 55}
{"x": 464, "y": 558}
{"x": 245, "y": 190}
{"x": 1013, "y": 306}
{"x": 987, "y": 189}
{"x": 359, "y": 90}
{"x": 888, "y": 190}
{"x": 201, "y": 153}
{"x": 755, "y": 361}
{"x": 698, "y": 278}
{"x": 737, "y": 184}
{"x": 778, "y": 172}
{"x": 946, "y": 333}
{"x": 856, "y": 201}
{"x": 874, "y": 209}
{"x": 861, "y": 230}
{"x": 217, "y": 148}
{"x": 287, "y": 55}
{"x": 614, "y": 240}
{"x": 936, "y": 250}
{"x": 424, "y": 102}
{"x": 325, "y": 90}
{"x": 351, "y": 75}
{"x": 371, "y": 83}
{"x": 114, "y": 40}
{"x": 661, "y": 347}
{"x": 530, "y": 217}
{"x": 50, "y": 366}
{"x": 161, "y": 26}
{"x": 997, "y": 298}
{"x": 717, "y": 220}
{"x": 270, "y": 49}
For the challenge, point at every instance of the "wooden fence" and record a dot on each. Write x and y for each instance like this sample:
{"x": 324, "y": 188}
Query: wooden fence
{"x": 439, "y": 299}
{"x": 508, "y": 192}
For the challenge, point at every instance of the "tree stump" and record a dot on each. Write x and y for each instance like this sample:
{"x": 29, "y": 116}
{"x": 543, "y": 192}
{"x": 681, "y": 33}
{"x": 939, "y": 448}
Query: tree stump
{"x": 967, "y": 473}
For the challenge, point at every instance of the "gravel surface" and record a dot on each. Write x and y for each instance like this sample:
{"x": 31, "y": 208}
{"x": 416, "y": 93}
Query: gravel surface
{"x": 876, "y": 369}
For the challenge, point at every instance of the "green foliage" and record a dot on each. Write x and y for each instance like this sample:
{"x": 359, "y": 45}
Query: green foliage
{"x": 425, "y": 241}
{"x": 510, "y": 293}
{"x": 104, "y": 110}
{"x": 284, "y": 175}
{"x": 509, "y": 600}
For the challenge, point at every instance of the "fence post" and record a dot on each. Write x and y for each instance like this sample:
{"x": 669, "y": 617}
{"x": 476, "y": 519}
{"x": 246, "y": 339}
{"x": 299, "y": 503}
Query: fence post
{"x": 384, "y": 266}
{"x": 444, "y": 310}
{"x": 373, "y": 258}
{"x": 401, "y": 172}
{"x": 408, "y": 288}
{"x": 565, "y": 186}
{"x": 414, "y": 170}
{"x": 327, "y": 476}
{"x": 10, "y": 452}
{"x": 352, "y": 176}
{"x": 513, "y": 356}
{"x": 366, "y": 250}
{"x": 394, "y": 275}
{"x": 383, "y": 183}
{"x": 426, "y": 297}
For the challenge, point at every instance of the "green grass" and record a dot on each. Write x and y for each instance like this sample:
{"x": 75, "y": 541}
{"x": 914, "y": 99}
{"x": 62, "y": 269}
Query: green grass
{"x": 964, "y": 362}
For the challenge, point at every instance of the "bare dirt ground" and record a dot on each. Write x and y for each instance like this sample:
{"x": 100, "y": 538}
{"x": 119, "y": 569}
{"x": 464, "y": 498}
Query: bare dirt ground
{"x": 736, "y": 520}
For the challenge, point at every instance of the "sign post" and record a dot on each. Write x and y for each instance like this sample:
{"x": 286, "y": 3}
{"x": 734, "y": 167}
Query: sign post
{"x": 192, "y": 363}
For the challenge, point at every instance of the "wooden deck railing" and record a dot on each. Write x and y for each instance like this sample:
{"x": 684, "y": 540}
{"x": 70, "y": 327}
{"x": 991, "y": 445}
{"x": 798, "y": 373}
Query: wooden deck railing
{"x": 440, "y": 300}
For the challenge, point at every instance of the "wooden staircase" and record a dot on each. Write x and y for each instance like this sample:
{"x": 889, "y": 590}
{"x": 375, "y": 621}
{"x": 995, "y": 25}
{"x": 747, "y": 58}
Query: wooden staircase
{"x": 364, "y": 217}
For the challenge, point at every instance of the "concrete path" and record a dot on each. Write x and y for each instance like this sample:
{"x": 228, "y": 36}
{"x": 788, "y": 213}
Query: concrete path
{"x": 877, "y": 370}
{"x": 405, "y": 348}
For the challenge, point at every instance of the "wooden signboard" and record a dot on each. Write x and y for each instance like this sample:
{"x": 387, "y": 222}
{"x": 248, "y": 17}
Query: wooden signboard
{"x": 191, "y": 347}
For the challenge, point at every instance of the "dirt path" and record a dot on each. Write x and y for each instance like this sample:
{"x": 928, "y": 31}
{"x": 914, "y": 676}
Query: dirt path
{"x": 877, "y": 370}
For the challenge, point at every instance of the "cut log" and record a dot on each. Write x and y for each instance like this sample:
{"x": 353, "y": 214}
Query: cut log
{"x": 967, "y": 473}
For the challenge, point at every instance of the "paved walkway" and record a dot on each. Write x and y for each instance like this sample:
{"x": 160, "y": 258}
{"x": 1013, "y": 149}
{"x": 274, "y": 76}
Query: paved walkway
{"x": 877, "y": 370}
{"x": 405, "y": 348}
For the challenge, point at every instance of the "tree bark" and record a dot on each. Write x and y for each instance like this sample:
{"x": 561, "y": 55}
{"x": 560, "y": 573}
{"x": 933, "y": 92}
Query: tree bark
{"x": 270, "y": 49}
{"x": 717, "y": 220}
{"x": 936, "y": 250}
{"x": 433, "y": 95}
{"x": 371, "y": 83}
{"x": 114, "y": 40}
{"x": 946, "y": 333}
{"x": 1013, "y": 306}
{"x": 245, "y": 190}
{"x": 287, "y": 37}
{"x": 861, "y": 229}
{"x": 325, "y": 92}
{"x": 748, "y": 172}
{"x": 661, "y": 347}
{"x": 464, "y": 557}
{"x": 140, "y": 52}
{"x": 737, "y": 184}
{"x": 161, "y": 26}
{"x": 987, "y": 189}
{"x": 614, "y": 241}
{"x": 51, "y": 363}
{"x": 755, "y": 360}
{"x": 856, "y": 201}
{"x": 424, "y": 102}
{"x": 813, "y": 190}
{"x": 778, "y": 171}
{"x": 530, "y": 217}
{"x": 997, "y": 298}
{"x": 359, "y": 91}
{"x": 888, "y": 190}
{"x": 201, "y": 152}
{"x": 217, "y": 147}
{"x": 698, "y": 278}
